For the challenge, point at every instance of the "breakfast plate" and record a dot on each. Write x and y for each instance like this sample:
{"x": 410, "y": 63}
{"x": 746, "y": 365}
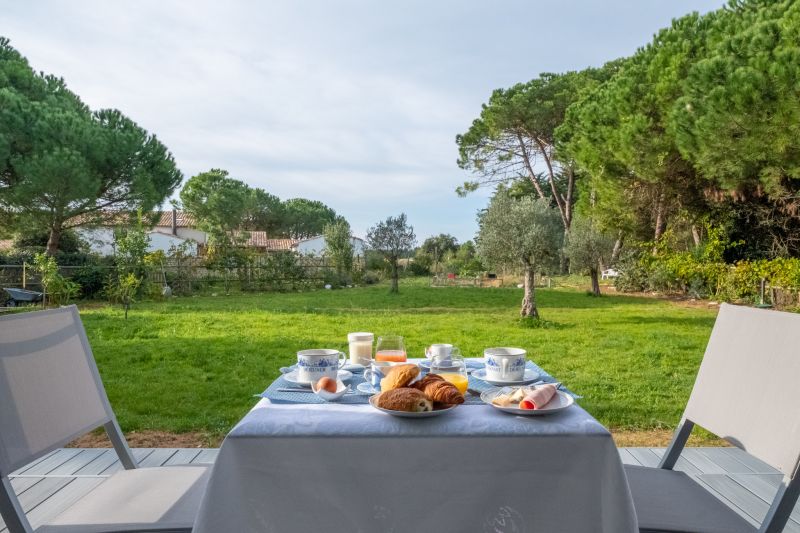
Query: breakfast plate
{"x": 373, "y": 401}
{"x": 292, "y": 378}
{"x": 560, "y": 401}
{"x": 529, "y": 377}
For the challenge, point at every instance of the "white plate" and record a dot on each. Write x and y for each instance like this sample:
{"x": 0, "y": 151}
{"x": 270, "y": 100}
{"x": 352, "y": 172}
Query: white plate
{"x": 560, "y": 401}
{"x": 292, "y": 378}
{"x": 373, "y": 401}
{"x": 529, "y": 377}
{"x": 354, "y": 367}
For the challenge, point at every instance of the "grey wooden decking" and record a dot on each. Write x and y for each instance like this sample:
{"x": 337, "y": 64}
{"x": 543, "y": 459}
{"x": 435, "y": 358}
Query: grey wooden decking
{"x": 51, "y": 484}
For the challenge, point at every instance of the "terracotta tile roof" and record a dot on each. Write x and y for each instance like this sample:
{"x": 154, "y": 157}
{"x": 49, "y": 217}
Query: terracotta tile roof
{"x": 123, "y": 218}
{"x": 6, "y": 245}
{"x": 184, "y": 219}
{"x": 259, "y": 239}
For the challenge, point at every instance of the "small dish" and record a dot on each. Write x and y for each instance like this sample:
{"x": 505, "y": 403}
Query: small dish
{"x": 341, "y": 390}
{"x": 373, "y": 401}
{"x": 354, "y": 367}
{"x": 529, "y": 377}
{"x": 560, "y": 401}
{"x": 292, "y": 378}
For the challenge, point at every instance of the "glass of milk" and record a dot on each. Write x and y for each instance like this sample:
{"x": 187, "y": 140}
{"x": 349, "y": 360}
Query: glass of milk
{"x": 360, "y": 348}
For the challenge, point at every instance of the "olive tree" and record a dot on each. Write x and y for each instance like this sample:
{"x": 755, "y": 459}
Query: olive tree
{"x": 524, "y": 232}
{"x": 392, "y": 238}
{"x": 587, "y": 248}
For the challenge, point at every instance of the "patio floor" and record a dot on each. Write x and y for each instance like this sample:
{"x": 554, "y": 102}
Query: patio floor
{"x": 54, "y": 482}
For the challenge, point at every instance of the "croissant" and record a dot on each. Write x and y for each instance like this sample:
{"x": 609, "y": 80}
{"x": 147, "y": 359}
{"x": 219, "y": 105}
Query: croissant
{"x": 399, "y": 376}
{"x": 439, "y": 390}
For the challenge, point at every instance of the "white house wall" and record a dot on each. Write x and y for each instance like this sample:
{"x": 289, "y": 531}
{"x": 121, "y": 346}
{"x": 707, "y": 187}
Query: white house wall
{"x": 101, "y": 241}
{"x": 316, "y": 246}
{"x": 159, "y": 241}
{"x": 185, "y": 233}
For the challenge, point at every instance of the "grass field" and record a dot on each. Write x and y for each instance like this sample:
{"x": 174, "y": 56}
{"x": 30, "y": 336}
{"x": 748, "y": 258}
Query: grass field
{"x": 193, "y": 364}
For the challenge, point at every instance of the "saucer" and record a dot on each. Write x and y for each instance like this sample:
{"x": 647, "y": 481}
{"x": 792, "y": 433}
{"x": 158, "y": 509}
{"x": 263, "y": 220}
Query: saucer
{"x": 292, "y": 378}
{"x": 366, "y": 388}
{"x": 529, "y": 377}
{"x": 354, "y": 367}
{"x": 471, "y": 365}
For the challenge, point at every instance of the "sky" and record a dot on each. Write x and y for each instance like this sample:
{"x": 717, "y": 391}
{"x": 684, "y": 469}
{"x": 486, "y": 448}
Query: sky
{"x": 355, "y": 103}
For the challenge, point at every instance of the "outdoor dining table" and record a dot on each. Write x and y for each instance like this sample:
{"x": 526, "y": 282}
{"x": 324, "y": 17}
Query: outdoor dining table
{"x": 348, "y": 467}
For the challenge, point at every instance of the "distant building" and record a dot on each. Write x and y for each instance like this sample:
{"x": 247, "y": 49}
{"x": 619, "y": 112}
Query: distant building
{"x": 316, "y": 246}
{"x": 176, "y": 227}
{"x": 259, "y": 241}
{"x": 172, "y": 228}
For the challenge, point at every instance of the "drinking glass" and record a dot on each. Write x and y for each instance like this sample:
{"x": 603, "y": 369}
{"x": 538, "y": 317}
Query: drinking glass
{"x": 452, "y": 368}
{"x": 391, "y": 348}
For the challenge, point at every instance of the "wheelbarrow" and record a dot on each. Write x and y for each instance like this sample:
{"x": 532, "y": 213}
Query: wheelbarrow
{"x": 21, "y": 296}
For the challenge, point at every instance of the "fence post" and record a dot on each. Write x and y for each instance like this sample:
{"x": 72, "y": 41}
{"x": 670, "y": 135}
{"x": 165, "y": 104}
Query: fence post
{"x": 24, "y": 274}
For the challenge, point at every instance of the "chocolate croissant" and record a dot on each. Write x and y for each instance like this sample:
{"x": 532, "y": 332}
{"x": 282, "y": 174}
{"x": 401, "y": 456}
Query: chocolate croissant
{"x": 404, "y": 399}
{"x": 438, "y": 390}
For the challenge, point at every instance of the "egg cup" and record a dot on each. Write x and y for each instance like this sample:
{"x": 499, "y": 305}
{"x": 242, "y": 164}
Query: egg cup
{"x": 341, "y": 390}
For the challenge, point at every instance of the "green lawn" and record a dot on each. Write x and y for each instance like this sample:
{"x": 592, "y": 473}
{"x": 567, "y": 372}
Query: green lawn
{"x": 193, "y": 364}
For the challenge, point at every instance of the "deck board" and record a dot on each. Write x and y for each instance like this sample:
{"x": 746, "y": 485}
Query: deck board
{"x": 54, "y": 482}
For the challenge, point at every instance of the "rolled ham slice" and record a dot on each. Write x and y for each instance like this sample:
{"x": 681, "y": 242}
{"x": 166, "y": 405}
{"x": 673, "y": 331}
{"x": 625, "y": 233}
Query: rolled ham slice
{"x": 538, "y": 397}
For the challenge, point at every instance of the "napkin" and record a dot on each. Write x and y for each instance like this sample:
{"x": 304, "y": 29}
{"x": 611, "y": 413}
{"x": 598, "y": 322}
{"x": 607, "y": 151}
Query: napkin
{"x": 538, "y": 397}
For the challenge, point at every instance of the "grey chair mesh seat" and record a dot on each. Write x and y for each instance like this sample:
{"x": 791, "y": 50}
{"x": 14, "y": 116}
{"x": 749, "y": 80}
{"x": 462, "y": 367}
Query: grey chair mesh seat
{"x": 747, "y": 393}
{"x": 666, "y": 500}
{"x": 50, "y": 394}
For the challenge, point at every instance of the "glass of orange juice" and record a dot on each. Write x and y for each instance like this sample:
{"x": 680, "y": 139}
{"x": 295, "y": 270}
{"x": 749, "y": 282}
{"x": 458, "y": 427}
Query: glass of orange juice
{"x": 390, "y": 348}
{"x": 452, "y": 368}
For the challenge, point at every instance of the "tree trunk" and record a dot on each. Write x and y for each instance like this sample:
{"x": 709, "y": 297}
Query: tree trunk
{"x": 552, "y": 179}
{"x": 595, "y": 281}
{"x": 527, "y": 160}
{"x": 659, "y": 229}
{"x": 54, "y": 239}
{"x": 616, "y": 250}
{"x": 696, "y": 235}
{"x": 529, "y": 297}
{"x": 395, "y": 275}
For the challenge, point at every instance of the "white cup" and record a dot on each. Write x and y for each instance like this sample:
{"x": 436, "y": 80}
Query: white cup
{"x": 377, "y": 371}
{"x": 441, "y": 350}
{"x": 505, "y": 364}
{"x": 318, "y": 363}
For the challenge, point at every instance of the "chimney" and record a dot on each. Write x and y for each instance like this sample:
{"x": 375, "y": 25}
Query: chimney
{"x": 174, "y": 221}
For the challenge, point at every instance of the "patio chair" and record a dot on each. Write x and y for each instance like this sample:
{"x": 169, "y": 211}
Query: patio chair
{"x": 747, "y": 393}
{"x": 50, "y": 394}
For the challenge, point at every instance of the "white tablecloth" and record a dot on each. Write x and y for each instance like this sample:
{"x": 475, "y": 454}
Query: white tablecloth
{"x": 350, "y": 468}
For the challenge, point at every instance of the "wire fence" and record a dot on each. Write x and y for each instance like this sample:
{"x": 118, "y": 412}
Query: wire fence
{"x": 192, "y": 275}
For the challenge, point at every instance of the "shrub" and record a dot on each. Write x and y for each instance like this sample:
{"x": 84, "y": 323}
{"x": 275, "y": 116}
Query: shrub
{"x": 91, "y": 279}
{"x": 370, "y": 277}
{"x": 58, "y": 289}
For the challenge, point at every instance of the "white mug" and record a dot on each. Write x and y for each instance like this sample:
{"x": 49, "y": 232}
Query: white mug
{"x": 505, "y": 364}
{"x": 317, "y": 363}
{"x": 442, "y": 350}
